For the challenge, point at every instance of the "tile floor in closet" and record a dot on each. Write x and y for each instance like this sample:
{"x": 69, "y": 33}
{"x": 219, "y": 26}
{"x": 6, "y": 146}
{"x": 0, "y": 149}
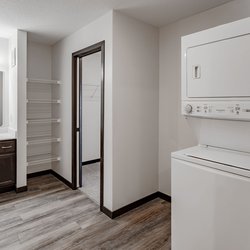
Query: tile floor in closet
{"x": 91, "y": 181}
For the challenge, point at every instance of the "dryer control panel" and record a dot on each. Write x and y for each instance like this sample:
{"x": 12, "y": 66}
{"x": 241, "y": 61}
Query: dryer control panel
{"x": 218, "y": 110}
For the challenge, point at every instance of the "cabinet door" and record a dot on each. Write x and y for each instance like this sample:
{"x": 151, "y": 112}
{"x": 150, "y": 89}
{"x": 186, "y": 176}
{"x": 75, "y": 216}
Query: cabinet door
{"x": 7, "y": 170}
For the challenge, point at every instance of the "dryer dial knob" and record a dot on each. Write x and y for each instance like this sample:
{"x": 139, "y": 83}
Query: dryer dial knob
{"x": 188, "y": 108}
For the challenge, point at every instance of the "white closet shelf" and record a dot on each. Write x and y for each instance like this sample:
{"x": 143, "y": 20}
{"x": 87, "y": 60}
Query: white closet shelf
{"x": 42, "y": 159}
{"x": 42, "y": 121}
{"x": 42, "y": 140}
{"x": 33, "y": 101}
{"x": 31, "y": 137}
{"x": 42, "y": 81}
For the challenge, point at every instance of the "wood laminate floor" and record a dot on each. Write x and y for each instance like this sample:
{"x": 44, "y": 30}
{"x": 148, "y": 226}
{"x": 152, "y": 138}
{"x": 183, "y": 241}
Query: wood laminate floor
{"x": 52, "y": 216}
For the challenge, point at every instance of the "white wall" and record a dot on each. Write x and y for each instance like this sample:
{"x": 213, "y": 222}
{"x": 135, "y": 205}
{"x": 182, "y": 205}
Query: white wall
{"x": 21, "y": 108}
{"x": 91, "y": 76}
{"x": 174, "y": 131}
{"x": 135, "y": 110}
{"x": 99, "y": 30}
{"x": 4, "y": 52}
{"x": 91, "y": 130}
{"x": 1, "y": 95}
{"x": 13, "y": 86}
{"x": 39, "y": 60}
{"x": 4, "y": 67}
{"x": 131, "y": 104}
{"x": 17, "y": 102}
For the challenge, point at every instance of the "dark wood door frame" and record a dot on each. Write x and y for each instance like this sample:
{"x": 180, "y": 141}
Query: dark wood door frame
{"x": 99, "y": 47}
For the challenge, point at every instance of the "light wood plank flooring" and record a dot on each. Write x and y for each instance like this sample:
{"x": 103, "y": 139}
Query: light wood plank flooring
{"x": 52, "y": 216}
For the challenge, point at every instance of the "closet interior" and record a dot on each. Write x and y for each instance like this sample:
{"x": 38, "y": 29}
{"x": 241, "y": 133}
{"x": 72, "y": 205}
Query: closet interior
{"x": 43, "y": 111}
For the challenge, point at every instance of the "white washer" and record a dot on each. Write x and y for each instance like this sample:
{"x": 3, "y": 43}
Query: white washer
{"x": 210, "y": 199}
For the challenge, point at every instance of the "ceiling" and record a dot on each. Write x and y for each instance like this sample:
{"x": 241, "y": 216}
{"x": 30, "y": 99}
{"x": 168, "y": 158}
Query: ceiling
{"x": 51, "y": 20}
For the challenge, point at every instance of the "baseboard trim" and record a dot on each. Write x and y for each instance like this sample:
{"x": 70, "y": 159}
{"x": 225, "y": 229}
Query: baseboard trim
{"x": 134, "y": 205}
{"x": 50, "y": 171}
{"x": 21, "y": 189}
{"x": 90, "y": 162}
{"x": 164, "y": 196}
{"x": 7, "y": 189}
{"x": 107, "y": 212}
{"x": 40, "y": 173}
{"x": 62, "y": 179}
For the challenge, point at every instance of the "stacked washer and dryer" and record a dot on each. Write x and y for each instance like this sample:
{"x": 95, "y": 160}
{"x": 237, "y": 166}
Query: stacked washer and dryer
{"x": 211, "y": 182}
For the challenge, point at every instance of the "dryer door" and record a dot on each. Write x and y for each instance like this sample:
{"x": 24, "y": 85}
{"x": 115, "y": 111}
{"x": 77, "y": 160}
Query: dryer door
{"x": 219, "y": 69}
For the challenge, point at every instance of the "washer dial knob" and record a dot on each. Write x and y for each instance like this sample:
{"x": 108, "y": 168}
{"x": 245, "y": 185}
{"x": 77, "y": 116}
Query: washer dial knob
{"x": 188, "y": 108}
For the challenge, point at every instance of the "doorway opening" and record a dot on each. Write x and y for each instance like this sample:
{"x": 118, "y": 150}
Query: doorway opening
{"x": 88, "y": 121}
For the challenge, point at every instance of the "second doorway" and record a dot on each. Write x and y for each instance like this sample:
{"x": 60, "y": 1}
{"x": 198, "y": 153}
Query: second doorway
{"x": 88, "y": 121}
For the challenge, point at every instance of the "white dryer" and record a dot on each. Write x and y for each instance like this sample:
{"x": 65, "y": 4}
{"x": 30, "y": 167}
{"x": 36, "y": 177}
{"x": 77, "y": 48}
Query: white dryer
{"x": 210, "y": 199}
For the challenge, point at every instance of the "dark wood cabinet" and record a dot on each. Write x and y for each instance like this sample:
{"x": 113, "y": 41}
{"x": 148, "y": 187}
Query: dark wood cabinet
{"x": 7, "y": 165}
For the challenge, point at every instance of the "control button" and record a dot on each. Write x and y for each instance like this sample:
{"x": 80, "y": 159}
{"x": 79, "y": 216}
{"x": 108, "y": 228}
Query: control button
{"x": 188, "y": 108}
{"x": 230, "y": 109}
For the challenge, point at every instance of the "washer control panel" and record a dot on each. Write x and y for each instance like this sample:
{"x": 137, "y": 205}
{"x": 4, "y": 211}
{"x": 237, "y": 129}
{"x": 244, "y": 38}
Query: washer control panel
{"x": 219, "y": 110}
